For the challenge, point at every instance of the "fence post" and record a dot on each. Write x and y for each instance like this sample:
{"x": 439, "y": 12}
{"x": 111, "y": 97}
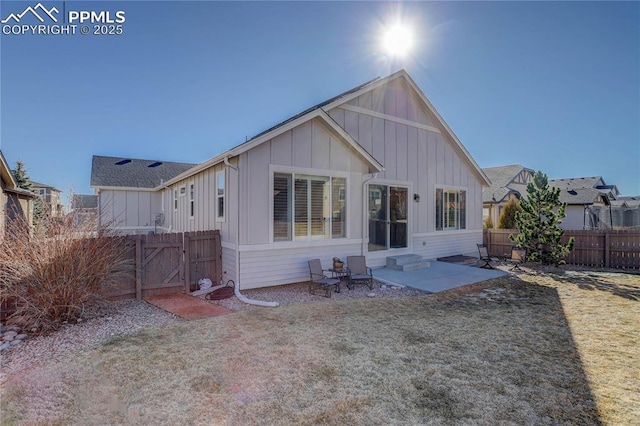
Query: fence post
{"x": 607, "y": 249}
{"x": 138, "y": 267}
{"x": 187, "y": 262}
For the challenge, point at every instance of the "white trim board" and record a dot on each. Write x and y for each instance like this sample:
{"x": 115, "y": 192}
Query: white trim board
{"x": 388, "y": 117}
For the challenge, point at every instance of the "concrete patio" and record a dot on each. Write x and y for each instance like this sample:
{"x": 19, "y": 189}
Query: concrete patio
{"x": 439, "y": 276}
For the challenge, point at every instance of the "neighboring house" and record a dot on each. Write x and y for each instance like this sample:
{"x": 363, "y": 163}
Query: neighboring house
{"x": 51, "y": 198}
{"x": 128, "y": 199}
{"x": 84, "y": 209}
{"x": 587, "y": 198}
{"x": 507, "y": 182}
{"x": 15, "y": 203}
{"x": 373, "y": 171}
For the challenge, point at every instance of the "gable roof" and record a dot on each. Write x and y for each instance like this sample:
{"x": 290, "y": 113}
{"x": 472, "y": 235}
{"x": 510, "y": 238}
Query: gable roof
{"x": 118, "y": 172}
{"x": 582, "y": 196}
{"x": 5, "y": 173}
{"x": 500, "y": 178}
{"x": 36, "y": 185}
{"x": 277, "y": 130}
{"x": 320, "y": 111}
{"x": 80, "y": 201}
{"x": 445, "y": 127}
{"x": 577, "y": 182}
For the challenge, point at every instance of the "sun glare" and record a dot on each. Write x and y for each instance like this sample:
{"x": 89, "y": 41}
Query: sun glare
{"x": 397, "y": 40}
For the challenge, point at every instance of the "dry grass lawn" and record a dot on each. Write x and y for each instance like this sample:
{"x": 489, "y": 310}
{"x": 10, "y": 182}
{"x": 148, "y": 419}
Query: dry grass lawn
{"x": 536, "y": 349}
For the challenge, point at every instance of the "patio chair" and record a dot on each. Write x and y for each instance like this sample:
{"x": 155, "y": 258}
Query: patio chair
{"x": 485, "y": 260}
{"x": 319, "y": 281}
{"x": 518, "y": 257}
{"x": 360, "y": 273}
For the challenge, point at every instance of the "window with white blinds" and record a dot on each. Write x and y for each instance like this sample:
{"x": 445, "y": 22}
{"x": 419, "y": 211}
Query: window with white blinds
{"x": 309, "y": 207}
{"x": 451, "y": 207}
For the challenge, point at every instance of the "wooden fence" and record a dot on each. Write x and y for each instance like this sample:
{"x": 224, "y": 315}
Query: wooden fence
{"x": 600, "y": 249}
{"x": 168, "y": 263}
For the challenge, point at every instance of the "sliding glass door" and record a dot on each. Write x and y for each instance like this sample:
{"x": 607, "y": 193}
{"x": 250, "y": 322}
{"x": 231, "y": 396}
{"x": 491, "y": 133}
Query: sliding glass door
{"x": 388, "y": 220}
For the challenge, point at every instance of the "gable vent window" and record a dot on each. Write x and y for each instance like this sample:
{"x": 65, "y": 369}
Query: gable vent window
{"x": 191, "y": 200}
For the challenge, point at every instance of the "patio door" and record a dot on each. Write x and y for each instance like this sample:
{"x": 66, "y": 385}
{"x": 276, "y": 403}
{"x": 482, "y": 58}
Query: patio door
{"x": 388, "y": 222}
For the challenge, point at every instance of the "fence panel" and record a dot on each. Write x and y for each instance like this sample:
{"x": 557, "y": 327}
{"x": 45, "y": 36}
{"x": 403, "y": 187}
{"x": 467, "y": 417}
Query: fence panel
{"x": 203, "y": 257}
{"x": 619, "y": 249}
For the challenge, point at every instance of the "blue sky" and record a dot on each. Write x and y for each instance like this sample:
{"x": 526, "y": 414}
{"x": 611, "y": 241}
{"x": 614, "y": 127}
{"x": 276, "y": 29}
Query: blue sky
{"x": 554, "y": 86}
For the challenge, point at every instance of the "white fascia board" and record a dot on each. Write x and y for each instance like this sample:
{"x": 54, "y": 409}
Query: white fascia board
{"x": 352, "y": 142}
{"x": 448, "y": 129}
{"x": 234, "y": 152}
{"x": 427, "y": 103}
{"x": 121, "y": 188}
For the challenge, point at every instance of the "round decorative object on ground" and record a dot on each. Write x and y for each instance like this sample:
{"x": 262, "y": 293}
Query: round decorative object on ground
{"x": 372, "y": 294}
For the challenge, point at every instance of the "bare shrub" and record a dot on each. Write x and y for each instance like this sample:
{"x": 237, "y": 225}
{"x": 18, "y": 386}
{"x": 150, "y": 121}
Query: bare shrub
{"x": 52, "y": 272}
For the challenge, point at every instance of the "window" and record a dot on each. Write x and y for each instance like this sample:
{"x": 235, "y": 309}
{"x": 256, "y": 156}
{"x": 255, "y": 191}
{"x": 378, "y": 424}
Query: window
{"x": 451, "y": 206}
{"x": 175, "y": 199}
{"x": 317, "y": 205}
{"x": 220, "y": 191}
{"x": 183, "y": 190}
{"x": 191, "y": 200}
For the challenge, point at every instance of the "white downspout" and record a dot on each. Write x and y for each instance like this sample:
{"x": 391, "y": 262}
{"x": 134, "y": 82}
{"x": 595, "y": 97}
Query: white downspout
{"x": 365, "y": 211}
{"x": 236, "y": 288}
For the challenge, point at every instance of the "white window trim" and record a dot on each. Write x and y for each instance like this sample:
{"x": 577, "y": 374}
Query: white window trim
{"x": 273, "y": 169}
{"x": 192, "y": 201}
{"x": 220, "y": 218}
{"x": 175, "y": 199}
{"x": 466, "y": 210}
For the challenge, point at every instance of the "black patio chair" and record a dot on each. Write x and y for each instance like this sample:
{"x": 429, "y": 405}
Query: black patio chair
{"x": 360, "y": 273}
{"x": 319, "y": 281}
{"x": 518, "y": 257}
{"x": 485, "y": 260}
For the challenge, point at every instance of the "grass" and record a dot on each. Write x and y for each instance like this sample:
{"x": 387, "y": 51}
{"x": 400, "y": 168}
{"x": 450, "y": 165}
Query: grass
{"x": 537, "y": 349}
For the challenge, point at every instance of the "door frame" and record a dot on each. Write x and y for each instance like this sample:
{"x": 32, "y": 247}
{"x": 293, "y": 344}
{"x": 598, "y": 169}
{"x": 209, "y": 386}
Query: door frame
{"x": 390, "y": 251}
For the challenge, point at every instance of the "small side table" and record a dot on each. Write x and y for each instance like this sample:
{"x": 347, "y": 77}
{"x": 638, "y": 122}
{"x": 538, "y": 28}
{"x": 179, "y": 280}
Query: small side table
{"x": 341, "y": 274}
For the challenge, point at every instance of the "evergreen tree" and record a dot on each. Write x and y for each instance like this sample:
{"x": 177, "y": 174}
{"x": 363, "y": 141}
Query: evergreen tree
{"x": 507, "y": 219}
{"x": 21, "y": 177}
{"x": 539, "y": 223}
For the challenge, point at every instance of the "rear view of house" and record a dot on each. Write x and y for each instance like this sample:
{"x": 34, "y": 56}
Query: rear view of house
{"x": 373, "y": 171}
{"x": 16, "y": 204}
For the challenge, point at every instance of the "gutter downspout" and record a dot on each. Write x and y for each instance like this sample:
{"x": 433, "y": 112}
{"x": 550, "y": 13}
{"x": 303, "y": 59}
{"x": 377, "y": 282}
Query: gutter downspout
{"x": 365, "y": 210}
{"x": 236, "y": 288}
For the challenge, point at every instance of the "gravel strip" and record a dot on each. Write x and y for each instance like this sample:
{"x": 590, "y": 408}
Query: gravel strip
{"x": 299, "y": 293}
{"x": 106, "y": 322}
{"x": 128, "y": 317}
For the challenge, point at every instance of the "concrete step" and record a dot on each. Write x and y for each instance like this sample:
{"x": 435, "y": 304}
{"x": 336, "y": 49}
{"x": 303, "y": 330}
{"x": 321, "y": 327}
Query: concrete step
{"x": 406, "y": 262}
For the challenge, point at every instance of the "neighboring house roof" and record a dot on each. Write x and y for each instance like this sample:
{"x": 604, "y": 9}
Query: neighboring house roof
{"x": 35, "y": 185}
{"x": 578, "y": 182}
{"x": 10, "y": 184}
{"x": 5, "y": 173}
{"x": 320, "y": 111}
{"x": 112, "y": 172}
{"x": 633, "y": 201}
{"x": 582, "y": 196}
{"x": 501, "y": 177}
{"x": 80, "y": 201}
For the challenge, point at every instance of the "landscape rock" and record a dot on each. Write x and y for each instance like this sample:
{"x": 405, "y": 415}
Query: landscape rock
{"x": 5, "y": 345}
{"x": 21, "y": 336}
{"x": 372, "y": 294}
{"x": 15, "y": 342}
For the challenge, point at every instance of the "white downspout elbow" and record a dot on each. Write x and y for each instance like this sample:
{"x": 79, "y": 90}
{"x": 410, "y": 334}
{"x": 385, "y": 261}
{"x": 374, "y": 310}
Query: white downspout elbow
{"x": 236, "y": 288}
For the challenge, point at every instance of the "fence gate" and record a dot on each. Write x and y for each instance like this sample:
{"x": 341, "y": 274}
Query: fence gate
{"x": 202, "y": 256}
{"x": 159, "y": 264}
